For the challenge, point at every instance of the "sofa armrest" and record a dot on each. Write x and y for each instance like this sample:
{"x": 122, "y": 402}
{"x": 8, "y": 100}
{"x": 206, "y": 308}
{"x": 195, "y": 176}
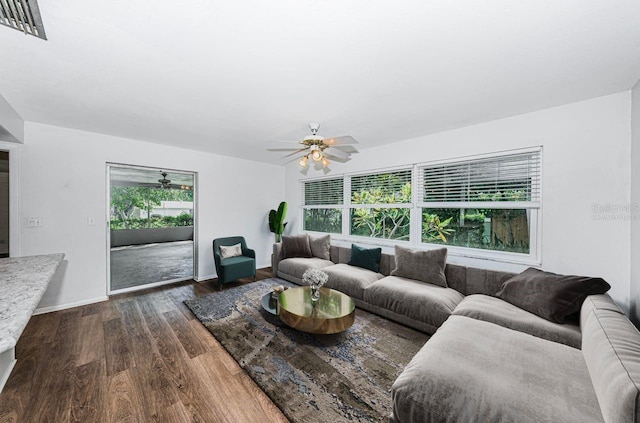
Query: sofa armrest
{"x": 249, "y": 253}
{"x": 276, "y": 257}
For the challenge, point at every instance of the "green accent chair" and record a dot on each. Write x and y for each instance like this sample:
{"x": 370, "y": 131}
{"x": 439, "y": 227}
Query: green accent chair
{"x": 233, "y": 268}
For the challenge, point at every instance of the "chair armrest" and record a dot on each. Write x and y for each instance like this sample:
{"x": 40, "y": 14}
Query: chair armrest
{"x": 249, "y": 253}
{"x": 276, "y": 257}
{"x": 218, "y": 262}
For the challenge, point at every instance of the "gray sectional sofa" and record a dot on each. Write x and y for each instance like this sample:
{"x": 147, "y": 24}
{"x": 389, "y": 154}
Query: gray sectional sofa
{"x": 488, "y": 360}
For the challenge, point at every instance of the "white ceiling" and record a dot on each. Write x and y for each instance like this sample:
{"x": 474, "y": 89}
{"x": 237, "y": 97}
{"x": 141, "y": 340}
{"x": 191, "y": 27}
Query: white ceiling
{"x": 133, "y": 176}
{"x": 224, "y": 76}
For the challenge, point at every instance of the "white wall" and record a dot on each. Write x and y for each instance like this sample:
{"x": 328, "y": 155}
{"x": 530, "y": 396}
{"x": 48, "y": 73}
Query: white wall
{"x": 11, "y": 123}
{"x": 635, "y": 200}
{"x": 585, "y": 161}
{"x": 63, "y": 181}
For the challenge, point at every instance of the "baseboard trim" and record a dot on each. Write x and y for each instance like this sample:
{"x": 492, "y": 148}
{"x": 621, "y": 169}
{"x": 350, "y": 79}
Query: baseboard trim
{"x": 205, "y": 278}
{"x": 7, "y": 362}
{"x": 49, "y": 309}
{"x": 149, "y": 285}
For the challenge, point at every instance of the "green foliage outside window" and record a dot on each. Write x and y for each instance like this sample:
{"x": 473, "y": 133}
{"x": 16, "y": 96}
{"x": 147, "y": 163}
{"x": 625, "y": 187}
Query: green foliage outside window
{"x": 381, "y": 222}
{"x": 127, "y": 201}
{"x": 323, "y": 220}
{"x": 184, "y": 219}
{"x": 434, "y": 229}
{"x": 488, "y": 229}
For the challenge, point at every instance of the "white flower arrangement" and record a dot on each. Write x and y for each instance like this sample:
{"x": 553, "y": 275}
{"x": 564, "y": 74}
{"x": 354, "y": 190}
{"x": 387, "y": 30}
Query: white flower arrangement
{"x": 315, "y": 277}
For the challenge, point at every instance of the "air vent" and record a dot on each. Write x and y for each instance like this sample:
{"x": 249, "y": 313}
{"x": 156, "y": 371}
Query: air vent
{"x": 22, "y": 15}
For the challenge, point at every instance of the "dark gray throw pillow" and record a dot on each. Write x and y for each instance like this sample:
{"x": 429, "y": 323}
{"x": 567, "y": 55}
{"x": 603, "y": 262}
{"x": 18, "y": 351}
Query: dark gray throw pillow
{"x": 296, "y": 246}
{"x": 425, "y": 266}
{"x": 557, "y": 298}
{"x": 367, "y": 258}
{"x": 321, "y": 246}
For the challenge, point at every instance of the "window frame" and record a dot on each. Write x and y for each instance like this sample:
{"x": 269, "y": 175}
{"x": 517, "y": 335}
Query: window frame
{"x": 534, "y": 212}
{"x": 304, "y": 207}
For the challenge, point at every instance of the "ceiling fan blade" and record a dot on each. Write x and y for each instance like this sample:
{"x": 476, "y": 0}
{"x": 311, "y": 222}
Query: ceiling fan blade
{"x": 282, "y": 149}
{"x": 343, "y": 140}
{"x": 279, "y": 143}
{"x": 296, "y": 152}
{"x": 340, "y": 160}
{"x": 334, "y": 152}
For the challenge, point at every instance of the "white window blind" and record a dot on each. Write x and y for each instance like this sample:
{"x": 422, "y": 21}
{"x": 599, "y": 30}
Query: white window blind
{"x": 382, "y": 188}
{"x": 23, "y": 15}
{"x": 504, "y": 179}
{"x": 323, "y": 192}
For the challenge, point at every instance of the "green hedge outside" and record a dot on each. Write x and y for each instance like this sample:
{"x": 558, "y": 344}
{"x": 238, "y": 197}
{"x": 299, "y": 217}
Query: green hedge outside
{"x": 184, "y": 219}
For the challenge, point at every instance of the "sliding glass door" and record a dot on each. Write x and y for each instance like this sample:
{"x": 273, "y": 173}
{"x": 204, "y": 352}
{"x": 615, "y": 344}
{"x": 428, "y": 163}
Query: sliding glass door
{"x": 151, "y": 227}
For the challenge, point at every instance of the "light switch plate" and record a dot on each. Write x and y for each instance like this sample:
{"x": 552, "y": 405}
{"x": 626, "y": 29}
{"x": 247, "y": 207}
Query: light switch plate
{"x": 34, "y": 222}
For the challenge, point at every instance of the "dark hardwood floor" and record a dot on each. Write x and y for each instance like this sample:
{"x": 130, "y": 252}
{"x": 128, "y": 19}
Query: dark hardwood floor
{"x": 139, "y": 357}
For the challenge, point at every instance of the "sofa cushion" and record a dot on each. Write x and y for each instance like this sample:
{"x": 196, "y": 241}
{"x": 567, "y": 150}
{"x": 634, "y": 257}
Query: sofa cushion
{"x": 292, "y": 269}
{"x": 351, "y": 280}
{"x": 367, "y": 258}
{"x": 483, "y": 281}
{"x": 424, "y": 302}
{"x": 296, "y": 246}
{"x": 611, "y": 350}
{"x": 476, "y": 371}
{"x": 320, "y": 246}
{"x": 425, "y": 266}
{"x": 495, "y": 310}
{"x": 557, "y": 298}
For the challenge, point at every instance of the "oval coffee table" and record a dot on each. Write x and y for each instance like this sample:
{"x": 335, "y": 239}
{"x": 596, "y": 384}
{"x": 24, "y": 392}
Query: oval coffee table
{"x": 334, "y": 312}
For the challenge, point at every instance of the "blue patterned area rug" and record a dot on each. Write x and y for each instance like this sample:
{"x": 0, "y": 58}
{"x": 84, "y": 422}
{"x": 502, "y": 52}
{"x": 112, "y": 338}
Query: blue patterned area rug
{"x": 311, "y": 378}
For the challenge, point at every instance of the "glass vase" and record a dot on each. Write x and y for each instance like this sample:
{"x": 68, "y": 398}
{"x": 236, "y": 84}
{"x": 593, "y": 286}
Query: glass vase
{"x": 315, "y": 292}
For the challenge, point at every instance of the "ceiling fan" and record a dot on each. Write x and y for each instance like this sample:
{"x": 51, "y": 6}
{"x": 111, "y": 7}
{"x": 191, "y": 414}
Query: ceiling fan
{"x": 164, "y": 182}
{"x": 318, "y": 148}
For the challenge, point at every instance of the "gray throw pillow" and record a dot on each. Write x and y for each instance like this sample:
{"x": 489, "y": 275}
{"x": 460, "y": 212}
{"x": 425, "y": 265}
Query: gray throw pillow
{"x": 554, "y": 297}
{"x": 425, "y": 266}
{"x": 296, "y": 246}
{"x": 321, "y": 246}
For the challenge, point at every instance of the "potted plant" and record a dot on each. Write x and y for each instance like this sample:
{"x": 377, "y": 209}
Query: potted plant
{"x": 276, "y": 220}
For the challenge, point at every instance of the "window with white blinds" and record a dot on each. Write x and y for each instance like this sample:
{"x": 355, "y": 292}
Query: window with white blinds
{"x": 487, "y": 206}
{"x": 487, "y": 203}
{"x": 322, "y": 205}
{"x": 323, "y": 192}
{"x": 509, "y": 178}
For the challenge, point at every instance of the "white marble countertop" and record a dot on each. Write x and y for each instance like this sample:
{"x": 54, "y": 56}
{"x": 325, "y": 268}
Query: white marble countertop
{"x": 23, "y": 282}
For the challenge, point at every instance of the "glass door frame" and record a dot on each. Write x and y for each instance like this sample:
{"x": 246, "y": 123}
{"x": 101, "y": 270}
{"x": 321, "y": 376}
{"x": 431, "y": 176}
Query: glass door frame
{"x": 108, "y": 167}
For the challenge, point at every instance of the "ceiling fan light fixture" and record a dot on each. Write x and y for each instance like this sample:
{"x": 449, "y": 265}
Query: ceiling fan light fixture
{"x": 317, "y": 149}
{"x": 164, "y": 182}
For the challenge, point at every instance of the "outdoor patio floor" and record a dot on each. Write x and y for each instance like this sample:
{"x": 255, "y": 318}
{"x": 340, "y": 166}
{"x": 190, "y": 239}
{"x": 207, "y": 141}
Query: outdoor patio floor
{"x": 137, "y": 265}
